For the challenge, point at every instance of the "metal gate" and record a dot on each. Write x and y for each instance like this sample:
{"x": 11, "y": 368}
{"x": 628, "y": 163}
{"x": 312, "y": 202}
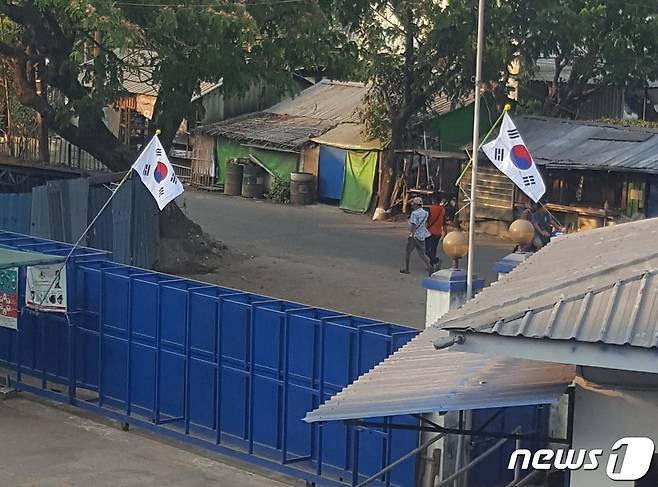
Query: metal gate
{"x": 223, "y": 369}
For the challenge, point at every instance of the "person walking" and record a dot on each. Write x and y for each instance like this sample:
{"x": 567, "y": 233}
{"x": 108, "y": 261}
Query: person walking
{"x": 435, "y": 225}
{"x": 417, "y": 234}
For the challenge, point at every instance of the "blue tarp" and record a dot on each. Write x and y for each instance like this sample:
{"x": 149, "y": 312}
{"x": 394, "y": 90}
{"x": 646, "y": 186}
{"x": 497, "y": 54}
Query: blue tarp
{"x": 331, "y": 172}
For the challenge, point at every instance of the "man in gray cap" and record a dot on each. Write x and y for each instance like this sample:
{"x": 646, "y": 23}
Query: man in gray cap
{"x": 417, "y": 234}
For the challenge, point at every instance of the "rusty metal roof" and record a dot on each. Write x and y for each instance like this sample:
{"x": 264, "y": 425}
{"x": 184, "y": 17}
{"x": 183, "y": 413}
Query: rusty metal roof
{"x": 293, "y": 122}
{"x": 444, "y": 104}
{"x": 418, "y": 379}
{"x": 573, "y": 144}
{"x": 328, "y": 100}
{"x": 269, "y": 130}
{"x": 599, "y": 286}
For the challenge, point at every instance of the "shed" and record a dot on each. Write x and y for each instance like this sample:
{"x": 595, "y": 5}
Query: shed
{"x": 595, "y": 173}
{"x": 319, "y": 131}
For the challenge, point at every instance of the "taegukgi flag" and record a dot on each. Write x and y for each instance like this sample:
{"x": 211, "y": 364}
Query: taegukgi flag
{"x": 509, "y": 154}
{"x": 158, "y": 176}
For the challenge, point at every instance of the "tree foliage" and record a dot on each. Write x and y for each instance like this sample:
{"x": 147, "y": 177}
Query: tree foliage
{"x": 83, "y": 50}
{"x": 593, "y": 44}
{"x": 415, "y": 51}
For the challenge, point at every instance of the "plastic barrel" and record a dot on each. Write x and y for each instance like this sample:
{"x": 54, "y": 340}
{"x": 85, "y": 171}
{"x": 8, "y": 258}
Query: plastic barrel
{"x": 253, "y": 181}
{"x": 301, "y": 188}
{"x": 233, "y": 179}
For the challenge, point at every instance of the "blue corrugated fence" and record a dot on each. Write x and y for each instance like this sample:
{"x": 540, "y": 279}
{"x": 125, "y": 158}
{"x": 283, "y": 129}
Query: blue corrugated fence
{"x": 225, "y": 369}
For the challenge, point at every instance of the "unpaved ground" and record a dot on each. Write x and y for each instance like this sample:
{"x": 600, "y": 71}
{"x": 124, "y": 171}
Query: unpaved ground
{"x": 321, "y": 256}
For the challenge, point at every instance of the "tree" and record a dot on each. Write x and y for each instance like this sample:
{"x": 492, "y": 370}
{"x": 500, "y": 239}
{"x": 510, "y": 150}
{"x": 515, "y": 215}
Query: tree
{"x": 415, "y": 51}
{"x": 81, "y": 50}
{"x": 593, "y": 44}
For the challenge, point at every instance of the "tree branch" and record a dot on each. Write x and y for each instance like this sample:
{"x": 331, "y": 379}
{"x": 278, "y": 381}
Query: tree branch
{"x": 13, "y": 52}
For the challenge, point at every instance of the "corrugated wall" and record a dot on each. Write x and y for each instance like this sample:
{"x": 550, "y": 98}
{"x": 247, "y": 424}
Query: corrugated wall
{"x": 62, "y": 209}
{"x": 15, "y": 212}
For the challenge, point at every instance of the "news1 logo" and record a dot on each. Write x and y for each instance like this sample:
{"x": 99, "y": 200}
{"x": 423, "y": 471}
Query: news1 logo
{"x": 629, "y": 459}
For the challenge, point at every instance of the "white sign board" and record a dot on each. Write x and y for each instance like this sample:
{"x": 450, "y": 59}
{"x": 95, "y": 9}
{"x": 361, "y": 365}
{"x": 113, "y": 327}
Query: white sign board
{"x": 45, "y": 287}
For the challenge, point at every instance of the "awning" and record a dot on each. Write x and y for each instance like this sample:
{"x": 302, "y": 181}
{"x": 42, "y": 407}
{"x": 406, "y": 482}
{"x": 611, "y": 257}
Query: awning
{"x": 16, "y": 258}
{"x": 419, "y": 379}
{"x": 349, "y": 136}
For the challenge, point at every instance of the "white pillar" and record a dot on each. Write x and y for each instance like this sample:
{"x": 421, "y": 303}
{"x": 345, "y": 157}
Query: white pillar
{"x": 446, "y": 290}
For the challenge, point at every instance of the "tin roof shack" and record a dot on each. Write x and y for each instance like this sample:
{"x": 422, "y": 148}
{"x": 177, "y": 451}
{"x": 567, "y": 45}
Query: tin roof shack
{"x": 312, "y": 132}
{"x": 596, "y": 174}
{"x": 581, "y": 311}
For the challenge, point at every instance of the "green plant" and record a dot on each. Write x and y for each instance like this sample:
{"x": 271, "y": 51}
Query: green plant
{"x": 279, "y": 191}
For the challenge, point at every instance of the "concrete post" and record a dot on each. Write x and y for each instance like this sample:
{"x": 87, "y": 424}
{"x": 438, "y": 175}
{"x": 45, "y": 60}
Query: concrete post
{"x": 508, "y": 263}
{"x": 446, "y": 290}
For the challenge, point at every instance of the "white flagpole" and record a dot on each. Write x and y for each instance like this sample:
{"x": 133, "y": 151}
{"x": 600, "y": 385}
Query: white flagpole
{"x": 476, "y": 149}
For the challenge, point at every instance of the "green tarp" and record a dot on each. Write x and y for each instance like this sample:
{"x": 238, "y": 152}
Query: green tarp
{"x": 280, "y": 163}
{"x": 360, "y": 168}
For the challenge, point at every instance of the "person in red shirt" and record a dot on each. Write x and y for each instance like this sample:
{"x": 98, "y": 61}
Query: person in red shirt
{"x": 435, "y": 224}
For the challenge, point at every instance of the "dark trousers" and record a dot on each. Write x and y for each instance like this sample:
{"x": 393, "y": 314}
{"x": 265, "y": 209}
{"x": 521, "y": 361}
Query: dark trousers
{"x": 418, "y": 246}
{"x": 431, "y": 245}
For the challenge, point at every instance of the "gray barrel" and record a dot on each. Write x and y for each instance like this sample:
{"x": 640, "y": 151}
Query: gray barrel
{"x": 233, "y": 179}
{"x": 253, "y": 181}
{"x": 301, "y": 188}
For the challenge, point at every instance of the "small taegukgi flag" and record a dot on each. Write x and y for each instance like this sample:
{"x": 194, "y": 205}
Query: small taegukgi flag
{"x": 509, "y": 154}
{"x": 157, "y": 174}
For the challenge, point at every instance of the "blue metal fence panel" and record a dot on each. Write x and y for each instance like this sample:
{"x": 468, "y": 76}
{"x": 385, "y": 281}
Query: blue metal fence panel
{"x": 15, "y": 215}
{"x": 228, "y": 370}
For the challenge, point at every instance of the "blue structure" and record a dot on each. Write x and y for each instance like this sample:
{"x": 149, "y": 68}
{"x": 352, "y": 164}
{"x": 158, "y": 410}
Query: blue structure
{"x": 331, "y": 173}
{"x": 231, "y": 371}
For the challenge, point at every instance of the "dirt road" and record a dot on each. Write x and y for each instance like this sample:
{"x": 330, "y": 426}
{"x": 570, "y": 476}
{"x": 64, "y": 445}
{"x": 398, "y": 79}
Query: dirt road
{"x": 321, "y": 256}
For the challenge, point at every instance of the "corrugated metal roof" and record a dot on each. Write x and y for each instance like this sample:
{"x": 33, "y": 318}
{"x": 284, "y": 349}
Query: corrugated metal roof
{"x": 599, "y": 286}
{"x": 140, "y": 82}
{"x": 545, "y": 70}
{"x": 589, "y": 145}
{"x": 14, "y": 258}
{"x": 443, "y": 104}
{"x": 418, "y": 379}
{"x": 293, "y": 122}
{"x": 269, "y": 130}
{"x": 333, "y": 101}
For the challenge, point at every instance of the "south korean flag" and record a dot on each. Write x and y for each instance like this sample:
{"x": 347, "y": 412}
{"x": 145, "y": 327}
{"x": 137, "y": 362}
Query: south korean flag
{"x": 509, "y": 154}
{"x": 157, "y": 174}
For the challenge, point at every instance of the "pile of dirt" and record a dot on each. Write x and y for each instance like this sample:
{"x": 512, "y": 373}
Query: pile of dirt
{"x": 184, "y": 248}
{"x": 195, "y": 254}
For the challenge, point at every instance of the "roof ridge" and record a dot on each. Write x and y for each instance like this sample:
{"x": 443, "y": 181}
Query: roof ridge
{"x": 574, "y": 296}
{"x": 445, "y": 323}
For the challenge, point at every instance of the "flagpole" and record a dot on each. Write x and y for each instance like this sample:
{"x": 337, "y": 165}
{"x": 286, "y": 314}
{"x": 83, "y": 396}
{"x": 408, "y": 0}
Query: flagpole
{"x": 476, "y": 148}
{"x": 91, "y": 224}
{"x": 482, "y": 142}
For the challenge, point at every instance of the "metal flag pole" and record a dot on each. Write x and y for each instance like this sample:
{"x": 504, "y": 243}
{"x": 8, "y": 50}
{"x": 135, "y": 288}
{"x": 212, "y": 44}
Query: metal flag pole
{"x": 91, "y": 224}
{"x": 476, "y": 148}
